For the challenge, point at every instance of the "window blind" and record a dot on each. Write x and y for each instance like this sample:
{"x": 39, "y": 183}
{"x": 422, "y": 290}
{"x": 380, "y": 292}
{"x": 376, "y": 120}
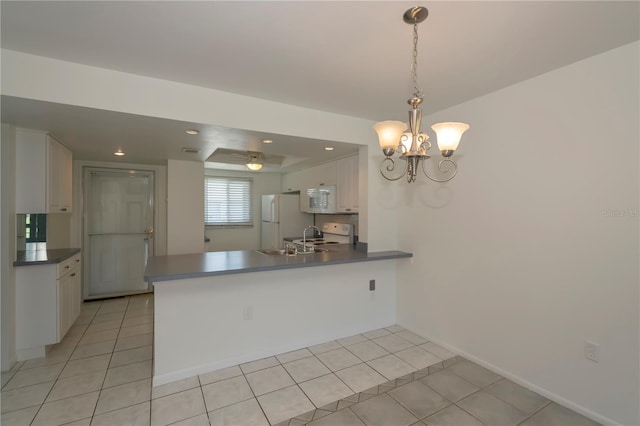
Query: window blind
{"x": 227, "y": 201}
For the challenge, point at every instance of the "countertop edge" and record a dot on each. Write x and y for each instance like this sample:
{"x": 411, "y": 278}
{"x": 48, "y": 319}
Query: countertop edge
{"x": 371, "y": 257}
{"x": 63, "y": 255}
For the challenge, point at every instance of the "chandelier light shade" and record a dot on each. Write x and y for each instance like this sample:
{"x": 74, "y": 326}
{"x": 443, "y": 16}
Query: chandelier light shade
{"x": 414, "y": 147}
{"x": 389, "y": 133}
{"x": 449, "y": 135}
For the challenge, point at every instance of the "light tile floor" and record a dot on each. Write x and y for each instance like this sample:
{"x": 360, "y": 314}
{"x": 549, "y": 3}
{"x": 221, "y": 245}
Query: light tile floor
{"x": 100, "y": 374}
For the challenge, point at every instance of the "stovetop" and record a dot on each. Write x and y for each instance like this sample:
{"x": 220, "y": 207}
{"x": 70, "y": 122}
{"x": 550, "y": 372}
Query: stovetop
{"x": 332, "y": 233}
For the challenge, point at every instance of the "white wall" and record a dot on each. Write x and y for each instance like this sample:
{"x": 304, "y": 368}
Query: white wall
{"x": 8, "y": 244}
{"x": 204, "y": 324}
{"x": 243, "y": 237}
{"x": 185, "y": 207}
{"x": 506, "y": 272}
{"x": 519, "y": 260}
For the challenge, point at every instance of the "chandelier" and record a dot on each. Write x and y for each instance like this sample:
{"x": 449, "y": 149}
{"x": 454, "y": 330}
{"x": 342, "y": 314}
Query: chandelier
{"x": 414, "y": 147}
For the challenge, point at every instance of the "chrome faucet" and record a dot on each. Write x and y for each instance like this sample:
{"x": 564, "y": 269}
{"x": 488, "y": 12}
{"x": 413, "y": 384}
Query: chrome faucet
{"x": 304, "y": 236}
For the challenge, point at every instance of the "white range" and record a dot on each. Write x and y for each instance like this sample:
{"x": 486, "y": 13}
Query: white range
{"x": 332, "y": 233}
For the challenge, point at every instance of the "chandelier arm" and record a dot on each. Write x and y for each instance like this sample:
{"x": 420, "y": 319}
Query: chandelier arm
{"x": 454, "y": 171}
{"x": 401, "y": 146}
{"x": 390, "y": 167}
{"x": 425, "y": 144}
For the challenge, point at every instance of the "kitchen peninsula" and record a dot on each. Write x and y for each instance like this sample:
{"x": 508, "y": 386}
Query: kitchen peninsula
{"x": 217, "y": 309}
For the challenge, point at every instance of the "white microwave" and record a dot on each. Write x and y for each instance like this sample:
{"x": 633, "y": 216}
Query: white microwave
{"x": 318, "y": 200}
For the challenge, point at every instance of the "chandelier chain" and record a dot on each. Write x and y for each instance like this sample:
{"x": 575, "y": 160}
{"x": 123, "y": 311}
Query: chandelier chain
{"x": 414, "y": 66}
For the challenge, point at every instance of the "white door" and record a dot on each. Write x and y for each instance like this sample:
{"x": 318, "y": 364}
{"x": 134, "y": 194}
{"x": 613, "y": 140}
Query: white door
{"x": 118, "y": 228}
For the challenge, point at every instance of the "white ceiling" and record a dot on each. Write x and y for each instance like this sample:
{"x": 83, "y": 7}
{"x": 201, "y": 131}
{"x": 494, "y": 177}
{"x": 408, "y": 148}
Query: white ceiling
{"x": 345, "y": 57}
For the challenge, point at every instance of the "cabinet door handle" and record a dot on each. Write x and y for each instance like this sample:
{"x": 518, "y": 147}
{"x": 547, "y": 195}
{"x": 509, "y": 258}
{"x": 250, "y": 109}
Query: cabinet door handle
{"x": 66, "y": 267}
{"x": 63, "y": 209}
{"x": 77, "y": 260}
{"x": 73, "y": 275}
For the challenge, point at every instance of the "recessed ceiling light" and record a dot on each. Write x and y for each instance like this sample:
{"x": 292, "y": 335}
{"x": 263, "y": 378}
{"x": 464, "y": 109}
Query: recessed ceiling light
{"x": 119, "y": 153}
{"x": 267, "y": 141}
{"x": 192, "y": 132}
{"x": 191, "y": 150}
{"x": 328, "y": 148}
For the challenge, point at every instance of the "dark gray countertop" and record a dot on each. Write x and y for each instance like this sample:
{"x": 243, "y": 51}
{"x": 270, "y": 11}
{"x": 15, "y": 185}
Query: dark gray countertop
{"x": 177, "y": 267}
{"x": 44, "y": 257}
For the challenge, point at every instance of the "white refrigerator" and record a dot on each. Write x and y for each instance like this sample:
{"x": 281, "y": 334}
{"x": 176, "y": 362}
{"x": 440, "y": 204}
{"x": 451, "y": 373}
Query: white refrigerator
{"x": 281, "y": 218}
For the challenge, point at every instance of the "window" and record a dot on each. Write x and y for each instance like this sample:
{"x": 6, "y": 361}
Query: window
{"x": 227, "y": 201}
{"x": 35, "y": 230}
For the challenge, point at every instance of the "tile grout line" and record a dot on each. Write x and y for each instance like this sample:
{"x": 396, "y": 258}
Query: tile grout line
{"x": 332, "y": 372}
{"x": 204, "y": 401}
{"x": 549, "y": 402}
{"x": 387, "y": 391}
{"x": 66, "y": 362}
{"x": 466, "y": 411}
{"x": 253, "y": 392}
{"x": 95, "y": 407}
{"x": 95, "y": 314}
{"x": 44, "y": 401}
{"x": 102, "y": 388}
{"x": 280, "y": 364}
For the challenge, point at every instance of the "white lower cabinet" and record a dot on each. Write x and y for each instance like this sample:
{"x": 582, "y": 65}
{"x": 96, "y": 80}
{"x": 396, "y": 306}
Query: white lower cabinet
{"x": 48, "y": 301}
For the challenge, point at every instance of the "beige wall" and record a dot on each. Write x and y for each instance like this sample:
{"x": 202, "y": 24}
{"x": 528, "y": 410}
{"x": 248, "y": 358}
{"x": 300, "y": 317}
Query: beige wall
{"x": 59, "y": 230}
{"x": 7, "y": 244}
{"x": 185, "y": 207}
{"x": 533, "y": 248}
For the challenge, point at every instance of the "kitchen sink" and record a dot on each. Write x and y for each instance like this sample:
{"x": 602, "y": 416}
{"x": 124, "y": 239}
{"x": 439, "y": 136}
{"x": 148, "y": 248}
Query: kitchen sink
{"x": 289, "y": 252}
{"x": 277, "y": 252}
{"x": 315, "y": 250}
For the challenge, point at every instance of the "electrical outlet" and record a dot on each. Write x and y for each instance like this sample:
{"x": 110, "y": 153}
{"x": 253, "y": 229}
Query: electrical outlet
{"x": 372, "y": 285}
{"x": 592, "y": 351}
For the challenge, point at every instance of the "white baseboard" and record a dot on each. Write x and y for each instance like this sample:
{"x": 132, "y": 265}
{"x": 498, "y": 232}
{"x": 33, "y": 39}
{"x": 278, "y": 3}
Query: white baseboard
{"x": 163, "y": 379}
{"x": 31, "y": 353}
{"x": 522, "y": 382}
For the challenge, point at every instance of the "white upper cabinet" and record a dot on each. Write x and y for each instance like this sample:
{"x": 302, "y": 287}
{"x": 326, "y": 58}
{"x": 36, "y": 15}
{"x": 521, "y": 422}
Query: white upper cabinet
{"x": 342, "y": 173}
{"x": 347, "y": 177}
{"x": 44, "y": 170}
{"x": 291, "y": 182}
{"x": 322, "y": 175}
{"x": 315, "y": 177}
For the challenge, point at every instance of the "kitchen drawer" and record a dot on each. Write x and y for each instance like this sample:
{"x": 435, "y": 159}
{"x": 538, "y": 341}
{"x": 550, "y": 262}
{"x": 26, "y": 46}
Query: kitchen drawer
{"x": 67, "y": 265}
